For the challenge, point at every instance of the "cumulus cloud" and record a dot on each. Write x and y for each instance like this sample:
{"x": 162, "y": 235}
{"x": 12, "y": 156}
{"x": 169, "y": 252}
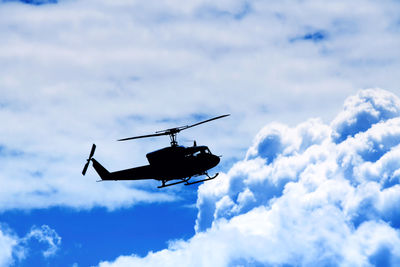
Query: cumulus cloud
{"x": 309, "y": 195}
{"x": 362, "y": 111}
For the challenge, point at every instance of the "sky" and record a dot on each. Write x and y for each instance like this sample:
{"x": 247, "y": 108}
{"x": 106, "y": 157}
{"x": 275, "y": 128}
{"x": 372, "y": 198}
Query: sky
{"x": 309, "y": 174}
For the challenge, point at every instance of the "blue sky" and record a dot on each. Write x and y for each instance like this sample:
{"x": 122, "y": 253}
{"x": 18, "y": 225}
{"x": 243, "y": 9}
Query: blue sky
{"x": 307, "y": 138}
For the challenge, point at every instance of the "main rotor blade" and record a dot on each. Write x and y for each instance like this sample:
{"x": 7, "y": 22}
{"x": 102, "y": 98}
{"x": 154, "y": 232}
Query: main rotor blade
{"x": 190, "y": 126}
{"x": 172, "y": 131}
{"x": 142, "y": 136}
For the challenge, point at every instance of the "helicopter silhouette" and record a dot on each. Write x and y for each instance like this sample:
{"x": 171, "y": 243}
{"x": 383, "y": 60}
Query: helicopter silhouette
{"x": 170, "y": 163}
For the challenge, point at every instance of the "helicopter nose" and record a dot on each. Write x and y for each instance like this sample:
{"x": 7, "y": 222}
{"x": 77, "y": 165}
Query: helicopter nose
{"x": 216, "y": 160}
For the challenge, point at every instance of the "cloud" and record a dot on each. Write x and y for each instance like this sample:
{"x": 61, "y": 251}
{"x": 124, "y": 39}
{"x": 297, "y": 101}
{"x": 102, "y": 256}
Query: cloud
{"x": 7, "y": 243}
{"x": 83, "y": 72}
{"x": 46, "y": 235}
{"x": 15, "y": 249}
{"x": 322, "y": 195}
{"x": 34, "y": 2}
{"x": 362, "y": 111}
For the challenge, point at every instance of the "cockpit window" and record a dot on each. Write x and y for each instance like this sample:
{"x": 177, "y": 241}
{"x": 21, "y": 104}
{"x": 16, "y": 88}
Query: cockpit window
{"x": 196, "y": 153}
{"x": 199, "y": 151}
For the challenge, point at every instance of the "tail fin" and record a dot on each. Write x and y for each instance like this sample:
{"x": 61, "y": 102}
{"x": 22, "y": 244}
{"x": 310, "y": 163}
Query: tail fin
{"x": 103, "y": 173}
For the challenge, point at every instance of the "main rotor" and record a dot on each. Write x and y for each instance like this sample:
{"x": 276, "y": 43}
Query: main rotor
{"x": 172, "y": 132}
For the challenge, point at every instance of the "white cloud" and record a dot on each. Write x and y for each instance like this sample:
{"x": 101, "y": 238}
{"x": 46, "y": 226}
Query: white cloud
{"x": 7, "y": 243}
{"x": 15, "y": 249}
{"x": 46, "y": 235}
{"x": 310, "y": 200}
{"x": 362, "y": 111}
{"x": 79, "y": 72}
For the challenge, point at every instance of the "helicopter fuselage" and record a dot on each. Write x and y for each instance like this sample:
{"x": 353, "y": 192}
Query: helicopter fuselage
{"x": 169, "y": 163}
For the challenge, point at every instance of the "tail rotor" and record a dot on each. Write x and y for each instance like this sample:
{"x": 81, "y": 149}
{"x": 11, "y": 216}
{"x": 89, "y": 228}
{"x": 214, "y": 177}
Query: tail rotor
{"x": 88, "y": 160}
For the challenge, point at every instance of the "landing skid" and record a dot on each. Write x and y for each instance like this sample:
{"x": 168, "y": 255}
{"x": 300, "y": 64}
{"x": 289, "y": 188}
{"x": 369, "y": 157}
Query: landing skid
{"x": 186, "y": 181}
{"x": 165, "y": 185}
{"x": 204, "y": 180}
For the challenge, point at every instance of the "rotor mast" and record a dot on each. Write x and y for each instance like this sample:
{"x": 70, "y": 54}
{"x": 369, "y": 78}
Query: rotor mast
{"x": 172, "y": 136}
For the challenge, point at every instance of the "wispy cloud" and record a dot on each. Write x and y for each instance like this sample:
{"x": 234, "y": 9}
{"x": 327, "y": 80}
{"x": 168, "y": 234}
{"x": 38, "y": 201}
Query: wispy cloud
{"x": 33, "y": 2}
{"x": 46, "y": 235}
{"x": 79, "y": 72}
{"x": 14, "y": 249}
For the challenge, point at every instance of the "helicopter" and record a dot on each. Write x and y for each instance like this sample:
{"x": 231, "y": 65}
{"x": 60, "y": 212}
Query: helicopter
{"x": 167, "y": 164}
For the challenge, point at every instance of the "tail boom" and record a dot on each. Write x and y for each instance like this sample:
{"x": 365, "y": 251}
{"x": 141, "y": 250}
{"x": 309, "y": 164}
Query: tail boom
{"x": 139, "y": 173}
